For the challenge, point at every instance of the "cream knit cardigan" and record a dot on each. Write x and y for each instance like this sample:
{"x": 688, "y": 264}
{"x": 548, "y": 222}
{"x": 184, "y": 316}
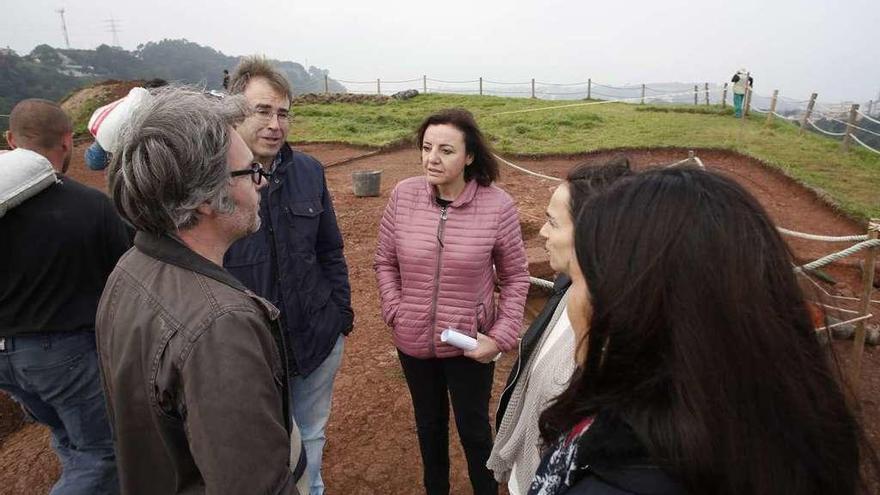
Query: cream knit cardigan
{"x": 518, "y": 439}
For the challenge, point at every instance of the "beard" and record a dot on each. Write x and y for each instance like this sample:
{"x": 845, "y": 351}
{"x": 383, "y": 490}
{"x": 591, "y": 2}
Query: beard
{"x": 246, "y": 221}
{"x": 66, "y": 164}
{"x": 257, "y": 223}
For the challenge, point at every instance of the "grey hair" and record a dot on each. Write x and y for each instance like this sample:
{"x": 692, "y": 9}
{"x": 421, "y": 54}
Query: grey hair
{"x": 172, "y": 159}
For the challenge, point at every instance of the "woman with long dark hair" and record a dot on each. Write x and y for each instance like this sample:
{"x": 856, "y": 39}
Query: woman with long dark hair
{"x": 446, "y": 240}
{"x": 700, "y": 371}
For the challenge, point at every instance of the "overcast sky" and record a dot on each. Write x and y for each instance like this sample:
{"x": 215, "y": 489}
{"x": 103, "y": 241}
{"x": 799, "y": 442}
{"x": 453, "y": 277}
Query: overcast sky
{"x": 828, "y": 46}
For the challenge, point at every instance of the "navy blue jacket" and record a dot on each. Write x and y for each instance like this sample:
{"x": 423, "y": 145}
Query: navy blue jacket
{"x": 295, "y": 260}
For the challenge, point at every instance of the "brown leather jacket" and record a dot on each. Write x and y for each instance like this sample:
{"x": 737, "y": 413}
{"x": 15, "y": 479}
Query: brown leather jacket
{"x": 194, "y": 374}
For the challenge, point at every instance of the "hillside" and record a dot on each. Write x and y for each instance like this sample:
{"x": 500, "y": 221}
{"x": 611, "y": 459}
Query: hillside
{"x": 51, "y": 73}
{"x": 850, "y": 180}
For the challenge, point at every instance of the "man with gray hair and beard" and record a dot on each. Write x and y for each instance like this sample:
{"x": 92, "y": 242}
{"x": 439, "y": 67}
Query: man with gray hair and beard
{"x": 193, "y": 362}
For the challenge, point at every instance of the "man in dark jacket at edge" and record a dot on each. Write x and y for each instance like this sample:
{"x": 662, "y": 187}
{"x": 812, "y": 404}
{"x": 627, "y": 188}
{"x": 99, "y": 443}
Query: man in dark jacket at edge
{"x": 295, "y": 260}
{"x": 56, "y": 251}
{"x": 193, "y": 362}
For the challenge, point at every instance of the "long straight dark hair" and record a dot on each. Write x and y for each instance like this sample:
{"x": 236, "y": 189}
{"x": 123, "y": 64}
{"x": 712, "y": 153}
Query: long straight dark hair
{"x": 700, "y": 340}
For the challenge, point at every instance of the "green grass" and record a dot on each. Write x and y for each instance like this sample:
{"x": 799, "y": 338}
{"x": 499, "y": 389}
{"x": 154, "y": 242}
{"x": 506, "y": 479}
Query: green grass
{"x": 851, "y": 180}
{"x": 81, "y": 121}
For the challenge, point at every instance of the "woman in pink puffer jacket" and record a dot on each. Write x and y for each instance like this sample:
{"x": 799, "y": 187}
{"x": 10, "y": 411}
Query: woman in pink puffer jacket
{"x": 446, "y": 240}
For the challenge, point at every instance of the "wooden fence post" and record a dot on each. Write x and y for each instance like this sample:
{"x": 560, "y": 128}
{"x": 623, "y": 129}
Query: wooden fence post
{"x": 378, "y": 87}
{"x": 864, "y": 304}
{"x": 724, "y": 96}
{"x": 847, "y": 136}
{"x": 696, "y": 94}
{"x": 643, "y": 94}
{"x": 806, "y": 119}
{"x": 747, "y": 99}
{"x": 870, "y": 107}
{"x": 425, "y": 84}
{"x": 533, "y": 87}
{"x": 481, "y": 85}
{"x": 772, "y": 107}
{"x": 706, "y": 89}
{"x": 326, "y": 85}
{"x": 589, "y": 88}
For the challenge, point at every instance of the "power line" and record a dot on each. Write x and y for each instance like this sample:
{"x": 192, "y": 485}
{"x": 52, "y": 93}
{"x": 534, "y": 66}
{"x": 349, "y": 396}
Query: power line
{"x": 111, "y": 26}
{"x": 64, "y": 27}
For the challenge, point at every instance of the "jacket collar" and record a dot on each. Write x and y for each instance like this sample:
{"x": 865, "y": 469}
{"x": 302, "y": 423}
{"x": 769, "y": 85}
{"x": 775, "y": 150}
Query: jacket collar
{"x": 283, "y": 157}
{"x": 466, "y": 196}
{"x": 561, "y": 284}
{"x": 173, "y": 251}
{"x": 612, "y": 451}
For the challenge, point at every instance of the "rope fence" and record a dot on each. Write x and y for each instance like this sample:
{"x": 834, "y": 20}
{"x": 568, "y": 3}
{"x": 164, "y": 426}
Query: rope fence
{"x": 868, "y": 117}
{"x": 533, "y": 88}
{"x": 862, "y": 143}
{"x": 834, "y": 119}
{"x": 846, "y": 322}
{"x": 823, "y": 131}
{"x": 780, "y": 106}
{"x": 825, "y": 238}
{"x": 540, "y": 282}
{"x": 831, "y": 258}
{"x": 525, "y": 170}
{"x": 833, "y": 113}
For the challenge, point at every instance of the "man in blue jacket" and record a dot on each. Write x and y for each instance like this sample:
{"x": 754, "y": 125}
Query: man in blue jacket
{"x": 295, "y": 260}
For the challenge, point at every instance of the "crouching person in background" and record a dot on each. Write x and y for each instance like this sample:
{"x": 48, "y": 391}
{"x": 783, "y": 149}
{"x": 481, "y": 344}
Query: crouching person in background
{"x": 193, "y": 363}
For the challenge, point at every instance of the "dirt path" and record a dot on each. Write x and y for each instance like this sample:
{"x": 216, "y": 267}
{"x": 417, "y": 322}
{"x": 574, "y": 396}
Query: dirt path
{"x": 372, "y": 445}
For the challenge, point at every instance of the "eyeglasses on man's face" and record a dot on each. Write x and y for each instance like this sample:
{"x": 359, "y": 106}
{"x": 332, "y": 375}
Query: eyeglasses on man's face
{"x": 265, "y": 116}
{"x": 255, "y": 171}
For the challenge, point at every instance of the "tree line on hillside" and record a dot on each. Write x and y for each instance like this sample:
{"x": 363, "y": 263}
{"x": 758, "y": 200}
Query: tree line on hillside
{"x": 52, "y": 73}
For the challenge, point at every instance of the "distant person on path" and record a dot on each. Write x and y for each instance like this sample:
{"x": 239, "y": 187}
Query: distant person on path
{"x": 447, "y": 239}
{"x": 740, "y": 80}
{"x": 57, "y": 249}
{"x": 107, "y": 122}
{"x": 295, "y": 260}
{"x": 547, "y": 350}
{"x": 225, "y": 79}
{"x": 192, "y": 361}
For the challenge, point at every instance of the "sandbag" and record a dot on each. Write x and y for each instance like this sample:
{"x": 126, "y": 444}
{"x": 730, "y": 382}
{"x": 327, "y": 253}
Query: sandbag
{"x": 23, "y": 173}
{"x": 106, "y": 122}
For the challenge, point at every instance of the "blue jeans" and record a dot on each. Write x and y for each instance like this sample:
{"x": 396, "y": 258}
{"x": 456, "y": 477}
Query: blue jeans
{"x": 56, "y": 377}
{"x": 738, "y": 104}
{"x": 310, "y": 402}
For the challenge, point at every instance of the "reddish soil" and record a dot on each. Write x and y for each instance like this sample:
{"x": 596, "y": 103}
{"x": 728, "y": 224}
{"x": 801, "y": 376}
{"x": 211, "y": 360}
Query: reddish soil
{"x": 372, "y": 446}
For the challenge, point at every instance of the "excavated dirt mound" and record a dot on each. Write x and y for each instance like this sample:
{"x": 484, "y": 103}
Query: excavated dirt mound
{"x": 80, "y": 104}
{"x": 339, "y": 98}
{"x": 372, "y": 446}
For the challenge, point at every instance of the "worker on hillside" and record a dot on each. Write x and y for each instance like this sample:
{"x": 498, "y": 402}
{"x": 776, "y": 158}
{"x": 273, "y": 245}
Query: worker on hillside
{"x": 741, "y": 81}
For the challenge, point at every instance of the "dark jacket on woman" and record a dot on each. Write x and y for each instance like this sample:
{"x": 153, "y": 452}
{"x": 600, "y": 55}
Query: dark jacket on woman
{"x": 611, "y": 460}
